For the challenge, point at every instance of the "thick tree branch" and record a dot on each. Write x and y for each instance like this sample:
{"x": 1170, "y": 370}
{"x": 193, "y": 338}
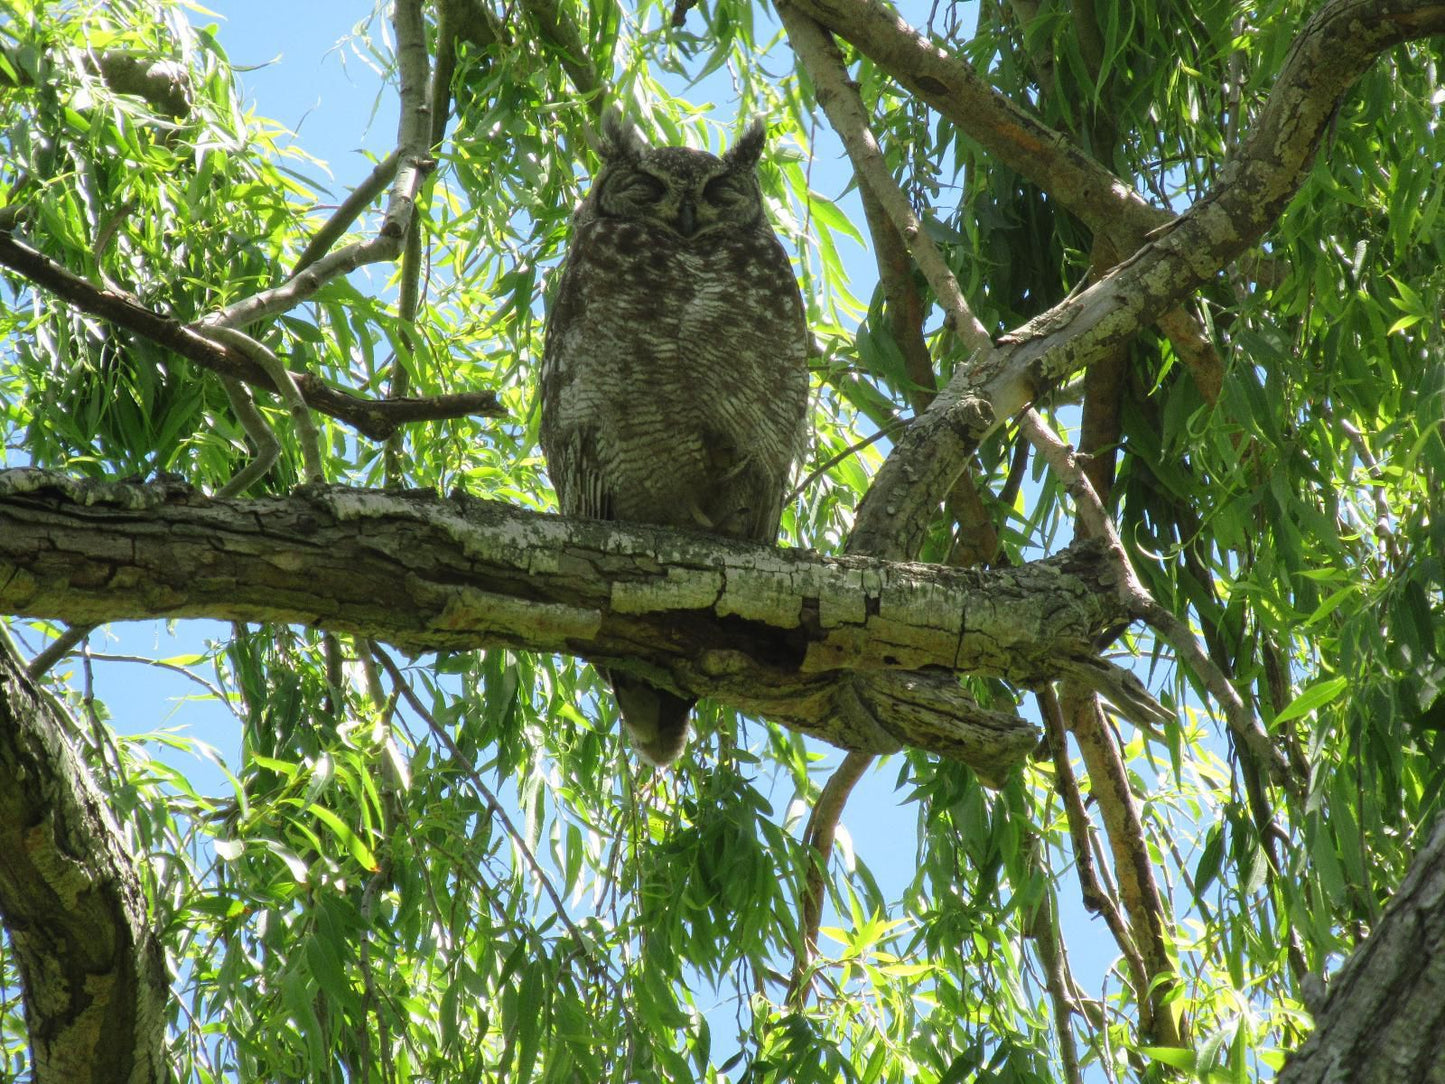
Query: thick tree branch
{"x": 374, "y": 418}
{"x": 1329, "y": 54}
{"x": 854, "y": 650}
{"x": 93, "y": 974}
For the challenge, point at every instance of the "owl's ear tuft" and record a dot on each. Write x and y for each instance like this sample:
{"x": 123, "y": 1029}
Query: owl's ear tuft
{"x": 620, "y": 138}
{"x": 749, "y": 147}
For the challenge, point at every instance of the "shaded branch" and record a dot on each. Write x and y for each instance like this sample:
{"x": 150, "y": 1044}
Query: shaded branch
{"x": 374, "y": 418}
{"x": 1187, "y": 336}
{"x": 1043, "y": 931}
{"x": 977, "y": 540}
{"x": 93, "y": 976}
{"x": 1096, "y": 896}
{"x": 268, "y": 447}
{"x": 285, "y": 383}
{"x": 906, "y": 311}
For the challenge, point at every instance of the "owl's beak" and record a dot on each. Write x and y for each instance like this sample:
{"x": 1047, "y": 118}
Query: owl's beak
{"x": 687, "y": 218}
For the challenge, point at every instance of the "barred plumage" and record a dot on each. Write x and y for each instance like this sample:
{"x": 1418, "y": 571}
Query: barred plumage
{"x": 674, "y": 379}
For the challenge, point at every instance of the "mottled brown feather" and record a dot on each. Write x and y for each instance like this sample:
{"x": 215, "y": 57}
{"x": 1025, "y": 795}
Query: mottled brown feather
{"x": 674, "y": 378}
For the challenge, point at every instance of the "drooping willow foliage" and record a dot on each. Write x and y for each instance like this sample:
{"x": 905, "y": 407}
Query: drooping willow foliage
{"x": 449, "y": 868}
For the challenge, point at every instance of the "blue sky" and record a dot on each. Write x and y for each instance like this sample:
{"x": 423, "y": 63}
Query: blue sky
{"x": 300, "y": 70}
{"x": 312, "y": 81}
{"x": 320, "y": 89}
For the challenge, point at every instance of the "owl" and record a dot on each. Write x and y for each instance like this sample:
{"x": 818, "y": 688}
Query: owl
{"x": 674, "y": 376}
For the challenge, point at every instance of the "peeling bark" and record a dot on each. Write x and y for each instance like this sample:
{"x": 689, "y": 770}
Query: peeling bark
{"x": 855, "y": 650}
{"x": 1331, "y": 51}
{"x": 93, "y": 974}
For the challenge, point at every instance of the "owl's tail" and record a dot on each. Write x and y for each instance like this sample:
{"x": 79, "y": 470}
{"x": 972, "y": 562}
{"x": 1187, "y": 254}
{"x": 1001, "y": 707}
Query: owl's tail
{"x": 656, "y": 719}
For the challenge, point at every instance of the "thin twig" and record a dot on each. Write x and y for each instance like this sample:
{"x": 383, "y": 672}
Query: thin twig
{"x": 1048, "y": 943}
{"x": 1097, "y": 897}
{"x": 160, "y": 664}
{"x": 413, "y": 163}
{"x": 833, "y": 460}
{"x": 61, "y": 646}
{"x": 818, "y": 837}
{"x": 463, "y": 765}
{"x": 349, "y": 210}
{"x": 268, "y": 448}
{"x": 374, "y": 418}
{"x": 382, "y": 877}
{"x": 285, "y": 382}
{"x": 1139, "y": 602}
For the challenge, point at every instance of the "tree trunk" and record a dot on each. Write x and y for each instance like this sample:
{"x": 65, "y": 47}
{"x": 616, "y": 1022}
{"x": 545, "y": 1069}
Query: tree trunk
{"x": 93, "y": 975}
{"x": 1384, "y": 1019}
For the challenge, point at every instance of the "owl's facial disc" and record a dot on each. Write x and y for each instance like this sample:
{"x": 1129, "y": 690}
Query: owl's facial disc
{"x": 688, "y": 192}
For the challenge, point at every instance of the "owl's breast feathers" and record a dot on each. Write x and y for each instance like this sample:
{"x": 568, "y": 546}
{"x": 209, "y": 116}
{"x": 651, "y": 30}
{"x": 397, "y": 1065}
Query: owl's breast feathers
{"x": 674, "y": 380}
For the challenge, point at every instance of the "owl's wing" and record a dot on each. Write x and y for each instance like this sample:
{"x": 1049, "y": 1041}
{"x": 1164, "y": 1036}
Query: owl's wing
{"x": 570, "y": 448}
{"x": 745, "y": 338}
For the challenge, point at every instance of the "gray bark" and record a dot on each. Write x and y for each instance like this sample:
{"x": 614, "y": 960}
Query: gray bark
{"x": 1385, "y": 1014}
{"x": 858, "y": 651}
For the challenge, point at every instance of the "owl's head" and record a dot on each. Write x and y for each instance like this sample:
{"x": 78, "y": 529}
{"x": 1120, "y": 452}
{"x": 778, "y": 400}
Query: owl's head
{"x": 686, "y": 191}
